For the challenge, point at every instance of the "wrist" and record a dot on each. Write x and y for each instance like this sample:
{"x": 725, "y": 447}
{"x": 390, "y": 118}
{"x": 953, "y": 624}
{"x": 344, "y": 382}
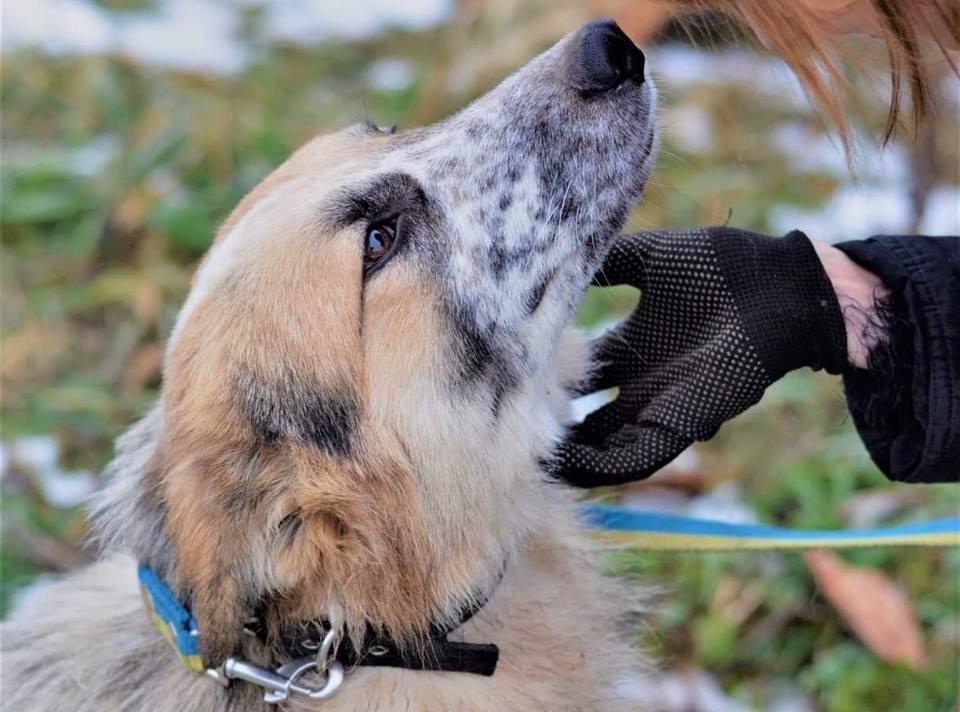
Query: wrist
{"x": 858, "y": 292}
{"x": 785, "y": 300}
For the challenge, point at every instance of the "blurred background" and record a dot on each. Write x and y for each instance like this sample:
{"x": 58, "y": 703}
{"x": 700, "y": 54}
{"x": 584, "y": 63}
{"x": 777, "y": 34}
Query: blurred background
{"x": 130, "y": 128}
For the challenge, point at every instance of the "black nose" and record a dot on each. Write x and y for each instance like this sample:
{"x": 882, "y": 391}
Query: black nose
{"x": 604, "y": 58}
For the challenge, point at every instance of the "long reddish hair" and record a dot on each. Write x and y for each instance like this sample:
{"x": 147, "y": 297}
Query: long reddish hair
{"x": 796, "y": 31}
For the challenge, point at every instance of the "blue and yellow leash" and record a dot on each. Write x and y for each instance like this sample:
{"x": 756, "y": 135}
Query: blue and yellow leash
{"x": 667, "y": 532}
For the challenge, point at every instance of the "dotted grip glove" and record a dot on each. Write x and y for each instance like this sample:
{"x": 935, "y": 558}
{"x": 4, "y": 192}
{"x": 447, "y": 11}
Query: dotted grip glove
{"x": 723, "y": 313}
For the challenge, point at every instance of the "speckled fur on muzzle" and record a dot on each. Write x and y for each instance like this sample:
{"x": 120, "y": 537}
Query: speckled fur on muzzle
{"x": 529, "y": 184}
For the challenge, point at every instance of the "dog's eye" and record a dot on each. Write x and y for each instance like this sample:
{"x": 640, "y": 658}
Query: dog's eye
{"x": 379, "y": 240}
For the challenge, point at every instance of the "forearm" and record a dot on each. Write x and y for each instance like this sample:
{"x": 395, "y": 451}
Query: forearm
{"x": 859, "y": 293}
{"x": 900, "y": 300}
{"x": 906, "y": 405}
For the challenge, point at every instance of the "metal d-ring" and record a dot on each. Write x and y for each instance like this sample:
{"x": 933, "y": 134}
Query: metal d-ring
{"x": 323, "y": 655}
{"x": 323, "y": 648}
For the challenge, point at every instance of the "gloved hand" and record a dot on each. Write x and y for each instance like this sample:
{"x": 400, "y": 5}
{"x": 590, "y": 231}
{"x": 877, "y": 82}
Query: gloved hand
{"x": 723, "y": 313}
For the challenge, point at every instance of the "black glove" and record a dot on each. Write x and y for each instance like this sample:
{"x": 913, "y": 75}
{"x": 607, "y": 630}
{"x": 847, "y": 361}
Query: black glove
{"x": 723, "y": 313}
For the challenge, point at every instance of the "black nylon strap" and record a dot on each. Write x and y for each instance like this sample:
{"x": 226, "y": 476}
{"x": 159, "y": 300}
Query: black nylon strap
{"x": 434, "y": 653}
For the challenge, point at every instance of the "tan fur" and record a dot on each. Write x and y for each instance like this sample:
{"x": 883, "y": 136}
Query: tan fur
{"x": 419, "y": 516}
{"x": 550, "y": 617}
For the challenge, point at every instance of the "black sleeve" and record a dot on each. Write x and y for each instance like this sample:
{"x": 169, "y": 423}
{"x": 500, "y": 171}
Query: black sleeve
{"x": 906, "y": 405}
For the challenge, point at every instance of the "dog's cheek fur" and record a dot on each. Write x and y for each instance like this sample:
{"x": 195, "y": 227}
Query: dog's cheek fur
{"x": 361, "y": 553}
{"x": 403, "y": 361}
{"x": 264, "y": 364}
{"x": 209, "y": 551}
{"x": 277, "y": 504}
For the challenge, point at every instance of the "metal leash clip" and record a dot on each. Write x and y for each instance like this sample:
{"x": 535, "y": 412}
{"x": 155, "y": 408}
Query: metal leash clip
{"x": 281, "y": 683}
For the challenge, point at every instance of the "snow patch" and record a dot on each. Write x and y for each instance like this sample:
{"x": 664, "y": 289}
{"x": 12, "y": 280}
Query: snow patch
{"x": 677, "y": 66}
{"x": 306, "y": 21}
{"x": 40, "y": 456}
{"x": 690, "y": 127}
{"x": 200, "y": 34}
{"x": 390, "y": 74}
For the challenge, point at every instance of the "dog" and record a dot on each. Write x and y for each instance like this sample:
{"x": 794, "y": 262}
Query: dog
{"x": 361, "y": 396}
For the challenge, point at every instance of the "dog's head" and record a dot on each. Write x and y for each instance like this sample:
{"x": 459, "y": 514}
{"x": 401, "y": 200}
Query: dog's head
{"x": 355, "y": 391}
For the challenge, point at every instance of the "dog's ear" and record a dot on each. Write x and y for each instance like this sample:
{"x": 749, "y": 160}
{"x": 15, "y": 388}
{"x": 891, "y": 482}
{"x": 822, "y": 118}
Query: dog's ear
{"x": 307, "y": 531}
{"x": 208, "y": 539}
{"x": 263, "y": 362}
{"x": 269, "y": 490}
{"x": 164, "y": 504}
{"x": 231, "y": 487}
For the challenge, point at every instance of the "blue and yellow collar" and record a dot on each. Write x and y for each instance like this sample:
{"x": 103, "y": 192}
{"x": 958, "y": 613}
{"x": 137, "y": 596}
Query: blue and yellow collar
{"x": 179, "y": 627}
{"x": 171, "y": 618}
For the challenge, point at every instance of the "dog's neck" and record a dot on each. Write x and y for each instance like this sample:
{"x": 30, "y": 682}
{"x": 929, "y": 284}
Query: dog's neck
{"x": 476, "y": 495}
{"x": 477, "y": 504}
